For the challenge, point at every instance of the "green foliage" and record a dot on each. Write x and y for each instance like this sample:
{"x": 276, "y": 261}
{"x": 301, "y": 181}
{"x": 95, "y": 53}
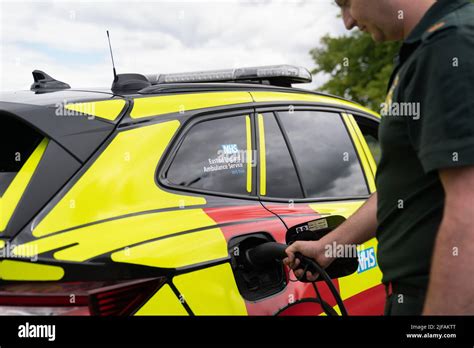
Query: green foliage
{"x": 359, "y": 68}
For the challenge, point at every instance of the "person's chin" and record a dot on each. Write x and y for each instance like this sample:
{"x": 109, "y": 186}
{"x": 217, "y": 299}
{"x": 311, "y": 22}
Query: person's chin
{"x": 378, "y": 37}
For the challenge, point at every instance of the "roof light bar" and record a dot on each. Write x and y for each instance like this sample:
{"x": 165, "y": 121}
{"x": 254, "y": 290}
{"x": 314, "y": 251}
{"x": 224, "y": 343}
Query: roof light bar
{"x": 275, "y": 74}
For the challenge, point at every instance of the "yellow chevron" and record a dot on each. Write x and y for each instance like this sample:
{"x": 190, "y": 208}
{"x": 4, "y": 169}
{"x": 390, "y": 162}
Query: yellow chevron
{"x": 211, "y": 291}
{"x": 107, "y": 109}
{"x": 178, "y": 251}
{"x": 14, "y": 192}
{"x": 20, "y": 270}
{"x": 164, "y": 302}
{"x": 94, "y": 240}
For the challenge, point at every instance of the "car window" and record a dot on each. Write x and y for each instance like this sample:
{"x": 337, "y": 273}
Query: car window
{"x": 325, "y": 154}
{"x": 369, "y": 130}
{"x": 281, "y": 178}
{"x": 213, "y": 157}
{"x": 17, "y": 143}
{"x": 374, "y": 147}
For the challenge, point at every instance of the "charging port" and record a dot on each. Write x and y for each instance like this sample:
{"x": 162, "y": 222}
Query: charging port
{"x": 255, "y": 283}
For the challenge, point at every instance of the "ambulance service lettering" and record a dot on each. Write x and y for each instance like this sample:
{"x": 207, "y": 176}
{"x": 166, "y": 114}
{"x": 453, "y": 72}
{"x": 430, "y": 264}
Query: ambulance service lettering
{"x": 229, "y": 157}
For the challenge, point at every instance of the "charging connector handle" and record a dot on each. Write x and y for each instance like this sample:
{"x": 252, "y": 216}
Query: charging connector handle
{"x": 265, "y": 254}
{"x": 268, "y": 253}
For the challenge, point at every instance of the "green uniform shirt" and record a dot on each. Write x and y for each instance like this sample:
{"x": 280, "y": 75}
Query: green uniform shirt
{"x": 428, "y": 126}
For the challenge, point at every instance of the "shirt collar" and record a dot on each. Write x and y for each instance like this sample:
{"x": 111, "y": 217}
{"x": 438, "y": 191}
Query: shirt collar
{"x": 440, "y": 9}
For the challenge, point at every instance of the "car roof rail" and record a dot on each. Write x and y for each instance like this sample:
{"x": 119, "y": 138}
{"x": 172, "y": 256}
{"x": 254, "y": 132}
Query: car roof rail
{"x": 275, "y": 75}
{"x": 43, "y": 81}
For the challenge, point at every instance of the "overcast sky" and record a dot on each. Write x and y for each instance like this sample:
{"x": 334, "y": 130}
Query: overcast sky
{"x": 67, "y": 39}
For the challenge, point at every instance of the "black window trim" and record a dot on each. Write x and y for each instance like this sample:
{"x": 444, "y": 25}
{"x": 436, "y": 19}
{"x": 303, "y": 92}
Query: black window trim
{"x": 292, "y": 154}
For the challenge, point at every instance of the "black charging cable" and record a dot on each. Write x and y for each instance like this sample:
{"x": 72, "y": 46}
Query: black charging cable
{"x": 310, "y": 263}
{"x": 269, "y": 252}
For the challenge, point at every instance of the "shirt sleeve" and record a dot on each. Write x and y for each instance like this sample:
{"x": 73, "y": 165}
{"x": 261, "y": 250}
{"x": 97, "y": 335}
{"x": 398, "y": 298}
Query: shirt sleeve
{"x": 444, "y": 83}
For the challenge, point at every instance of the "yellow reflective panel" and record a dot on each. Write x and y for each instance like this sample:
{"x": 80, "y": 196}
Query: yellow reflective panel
{"x": 342, "y": 208}
{"x": 211, "y": 291}
{"x": 367, "y": 279}
{"x": 121, "y": 181}
{"x": 249, "y": 153}
{"x": 164, "y": 302}
{"x": 2, "y": 244}
{"x": 356, "y": 282}
{"x": 154, "y": 106}
{"x": 97, "y": 239}
{"x": 360, "y": 151}
{"x": 370, "y": 158}
{"x": 14, "y": 192}
{"x": 263, "y": 160}
{"x": 20, "y": 270}
{"x": 179, "y": 251}
{"x": 107, "y": 109}
{"x": 261, "y": 97}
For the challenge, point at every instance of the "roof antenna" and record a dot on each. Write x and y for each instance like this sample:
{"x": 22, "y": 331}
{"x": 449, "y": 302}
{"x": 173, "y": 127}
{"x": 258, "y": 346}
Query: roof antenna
{"x": 112, "y": 56}
{"x": 126, "y": 83}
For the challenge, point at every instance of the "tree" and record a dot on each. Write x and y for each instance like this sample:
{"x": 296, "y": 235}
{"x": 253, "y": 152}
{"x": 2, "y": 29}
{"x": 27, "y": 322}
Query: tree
{"x": 359, "y": 69}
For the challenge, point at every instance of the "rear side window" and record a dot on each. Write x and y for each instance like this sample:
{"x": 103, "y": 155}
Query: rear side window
{"x": 17, "y": 143}
{"x": 282, "y": 181}
{"x": 369, "y": 130}
{"x": 328, "y": 163}
{"x": 213, "y": 157}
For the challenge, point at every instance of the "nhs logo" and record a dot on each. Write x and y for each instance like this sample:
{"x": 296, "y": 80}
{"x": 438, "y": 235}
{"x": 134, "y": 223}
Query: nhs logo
{"x": 230, "y": 149}
{"x": 367, "y": 259}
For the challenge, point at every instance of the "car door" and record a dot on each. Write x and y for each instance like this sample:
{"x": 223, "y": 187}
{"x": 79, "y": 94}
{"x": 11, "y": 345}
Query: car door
{"x": 214, "y": 157}
{"x": 313, "y": 163}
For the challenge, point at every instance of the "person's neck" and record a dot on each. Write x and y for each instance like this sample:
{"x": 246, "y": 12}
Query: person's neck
{"x": 414, "y": 12}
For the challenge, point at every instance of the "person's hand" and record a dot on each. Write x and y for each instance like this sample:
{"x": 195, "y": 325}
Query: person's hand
{"x": 312, "y": 249}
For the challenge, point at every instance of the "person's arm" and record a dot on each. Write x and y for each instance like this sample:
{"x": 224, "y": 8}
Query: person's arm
{"x": 357, "y": 229}
{"x": 451, "y": 286}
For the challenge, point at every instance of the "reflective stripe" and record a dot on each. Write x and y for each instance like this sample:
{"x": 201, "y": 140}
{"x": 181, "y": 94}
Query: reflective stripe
{"x": 164, "y": 302}
{"x": 361, "y": 154}
{"x": 20, "y": 270}
{"x": 261, "y": 97}
{"x": 14, "y": 192}
{"x": 249, "y": 153}
{"x": 368, "y": 153}
{"x": 154, "y": 106}
{"x": 121, "y": 181}
{"x": 343, "y": 208}
{"x": 107, "y": 109}
{"x": 178, "y": 251}
{"x": 263, "y": 161}
{"x": 211, "y": 291}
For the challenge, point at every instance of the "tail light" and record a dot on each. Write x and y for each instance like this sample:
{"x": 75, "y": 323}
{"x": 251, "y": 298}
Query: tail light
{"x": 77, "y": 298}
